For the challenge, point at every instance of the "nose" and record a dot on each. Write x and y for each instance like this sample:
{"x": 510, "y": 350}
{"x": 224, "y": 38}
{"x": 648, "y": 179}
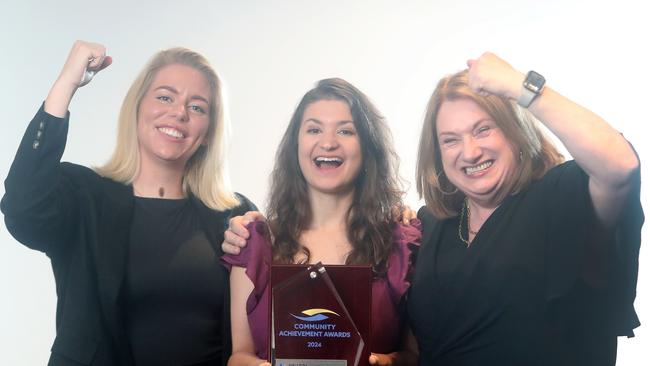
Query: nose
{"x": 179, "y": 111}
{"x": 471, "y": 150}
{"x": 329, "y": 141}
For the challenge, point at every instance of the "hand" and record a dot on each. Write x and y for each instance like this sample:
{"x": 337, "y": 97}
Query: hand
{"x": 235, "y": 237}
{"x": 382, "y": 359}
{"x": 408, "y": 214}
{"x": 491, "y": 75}
{"x": 404, "y": 214}
{"x": 83, "y": 56}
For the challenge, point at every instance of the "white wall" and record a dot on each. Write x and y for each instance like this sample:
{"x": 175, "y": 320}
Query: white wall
{"x": 270, "y": 53}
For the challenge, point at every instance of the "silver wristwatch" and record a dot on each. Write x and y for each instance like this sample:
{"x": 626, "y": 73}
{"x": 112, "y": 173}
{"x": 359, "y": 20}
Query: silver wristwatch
{"x": 531, "y": 88}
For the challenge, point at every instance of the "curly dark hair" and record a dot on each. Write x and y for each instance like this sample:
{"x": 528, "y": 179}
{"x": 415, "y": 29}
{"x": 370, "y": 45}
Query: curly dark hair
{"x": 377, "y": 188}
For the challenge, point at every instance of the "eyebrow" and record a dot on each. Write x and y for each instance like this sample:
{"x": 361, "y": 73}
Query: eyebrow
{"x": 173, "y": 90}
{"x": 473, "y": 127}
{"x": 339, "y": 123}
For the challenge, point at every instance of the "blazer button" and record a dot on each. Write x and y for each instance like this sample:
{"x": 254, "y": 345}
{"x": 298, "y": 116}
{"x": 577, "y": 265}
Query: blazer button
{"x": 36, "y": 144}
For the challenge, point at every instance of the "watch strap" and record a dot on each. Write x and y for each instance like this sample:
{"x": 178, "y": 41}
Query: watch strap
{"x": 526, "y": 98}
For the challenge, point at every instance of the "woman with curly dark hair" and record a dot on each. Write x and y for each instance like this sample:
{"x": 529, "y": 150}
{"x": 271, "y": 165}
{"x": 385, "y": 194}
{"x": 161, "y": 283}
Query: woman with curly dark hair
{"x": 333, "y": 192}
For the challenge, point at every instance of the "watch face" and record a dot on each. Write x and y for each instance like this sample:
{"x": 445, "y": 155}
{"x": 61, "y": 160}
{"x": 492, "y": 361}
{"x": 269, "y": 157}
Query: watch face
{"x": 534, "y": 82}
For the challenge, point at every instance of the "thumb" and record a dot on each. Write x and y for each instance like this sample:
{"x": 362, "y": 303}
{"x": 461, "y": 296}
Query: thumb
{"x": 108, "y": 60}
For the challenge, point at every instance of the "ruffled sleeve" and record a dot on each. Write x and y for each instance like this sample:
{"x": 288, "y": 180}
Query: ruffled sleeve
{"x": 256, "y": 257}
{"x": 406, "y": 241}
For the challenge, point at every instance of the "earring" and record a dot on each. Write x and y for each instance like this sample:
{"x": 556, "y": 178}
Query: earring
{"x": 521, "y": 155}
{"x": 439, "y": 186}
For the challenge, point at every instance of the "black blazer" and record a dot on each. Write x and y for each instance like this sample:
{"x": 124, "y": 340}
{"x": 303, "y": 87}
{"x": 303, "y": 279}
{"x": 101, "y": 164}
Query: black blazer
{"x": 82, "y": 221}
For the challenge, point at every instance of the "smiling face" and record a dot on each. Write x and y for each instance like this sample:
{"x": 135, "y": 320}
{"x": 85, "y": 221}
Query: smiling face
{"x": 329, "y": 151}
{"x": 475, "y": 154}
{"x": 173, "y": 117}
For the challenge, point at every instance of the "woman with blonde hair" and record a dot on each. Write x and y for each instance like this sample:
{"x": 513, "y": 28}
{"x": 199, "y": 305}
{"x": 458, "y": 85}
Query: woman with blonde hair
{"x": 134, "y": 244}
{"x": 525, "y": 259}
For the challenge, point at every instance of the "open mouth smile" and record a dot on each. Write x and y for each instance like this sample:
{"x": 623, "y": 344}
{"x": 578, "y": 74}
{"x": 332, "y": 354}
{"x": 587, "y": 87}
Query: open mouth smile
{"x": 171, "y": 132}
{"x": 328, "y": 162}
{"x": 475, "y": 169}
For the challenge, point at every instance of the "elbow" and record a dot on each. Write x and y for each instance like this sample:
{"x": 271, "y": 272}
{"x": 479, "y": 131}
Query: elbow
{"x": 629, "y": 170}
{"x": 623, "y": 169}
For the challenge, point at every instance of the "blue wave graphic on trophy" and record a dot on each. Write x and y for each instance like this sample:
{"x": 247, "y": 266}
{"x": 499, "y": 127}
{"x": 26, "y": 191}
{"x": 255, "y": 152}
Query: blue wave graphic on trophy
{"x": 314, "y": 315}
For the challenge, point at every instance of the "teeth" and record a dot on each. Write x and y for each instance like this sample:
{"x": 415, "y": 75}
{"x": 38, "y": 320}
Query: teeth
{"x": 171, "y": 132}
{"x": 478, "y": 168}
{"x": 329, "y": 160}
{"x": 324, "y": 160}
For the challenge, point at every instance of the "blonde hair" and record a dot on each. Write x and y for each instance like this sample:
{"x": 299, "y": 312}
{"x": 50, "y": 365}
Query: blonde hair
{"x": 535, "y": 152}
{"x": 206, "y": 171}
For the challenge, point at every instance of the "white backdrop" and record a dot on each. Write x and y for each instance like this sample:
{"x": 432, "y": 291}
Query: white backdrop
{"x": 269, "y": 54}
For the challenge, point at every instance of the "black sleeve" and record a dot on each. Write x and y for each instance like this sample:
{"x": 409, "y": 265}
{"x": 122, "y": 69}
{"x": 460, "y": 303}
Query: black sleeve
{"x": 581, "y": 253}
{"x": 627, "y": 238}
{"x": 39, "y": 201}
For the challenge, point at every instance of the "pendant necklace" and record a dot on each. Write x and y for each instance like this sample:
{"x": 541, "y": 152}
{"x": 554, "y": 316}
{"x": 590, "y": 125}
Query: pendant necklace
{"x": 464, "y": 208}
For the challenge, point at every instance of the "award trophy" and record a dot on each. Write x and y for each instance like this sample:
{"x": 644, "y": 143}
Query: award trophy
{"x": 320, "y": 315}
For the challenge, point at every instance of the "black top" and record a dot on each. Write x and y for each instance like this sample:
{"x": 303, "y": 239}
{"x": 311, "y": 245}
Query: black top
{"x": 541, "y": 284}
{"x": 175, "y": 286}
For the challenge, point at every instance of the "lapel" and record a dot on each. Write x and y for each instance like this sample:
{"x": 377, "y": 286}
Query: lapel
{"x": 214, "y": 223}
{"x": 110, "y": 256}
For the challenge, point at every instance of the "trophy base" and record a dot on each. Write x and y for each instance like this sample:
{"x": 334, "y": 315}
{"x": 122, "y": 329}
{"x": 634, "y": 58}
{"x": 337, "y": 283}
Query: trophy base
{"x": 302, "y": 362}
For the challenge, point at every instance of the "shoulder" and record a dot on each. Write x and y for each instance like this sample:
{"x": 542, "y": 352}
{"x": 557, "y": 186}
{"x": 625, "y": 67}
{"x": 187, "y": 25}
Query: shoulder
{"x": 244, "y": 206}
{"x": 407, "y": 235}
{"x": 426, "y": 216}
{"x": 79, "y": 172}
{"x": 406, "y": 240}
{"x": 566, "y": 173}
{"x": 430, "y": 223}
{"x": 85, "y": 179}
{"x": 562, "y": 187}
{"x": 241, "y": 208}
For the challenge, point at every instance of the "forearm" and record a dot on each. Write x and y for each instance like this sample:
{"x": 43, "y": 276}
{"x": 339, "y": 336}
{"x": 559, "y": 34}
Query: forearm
{"x": 243, "y": 346}
{"x": 597, "y": 147}
{"x": 59, "y": 97}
